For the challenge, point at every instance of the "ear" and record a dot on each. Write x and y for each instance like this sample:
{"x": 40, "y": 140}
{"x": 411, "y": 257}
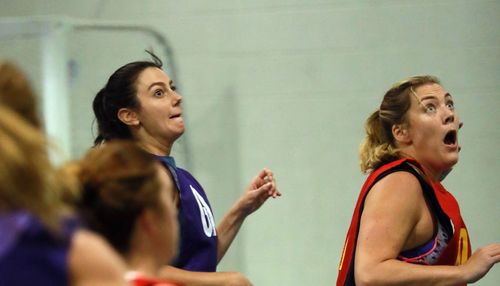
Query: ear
{"x": 128, "y": 116}
{"x": 400, "y": 133}
{"x": 146, "y": 221}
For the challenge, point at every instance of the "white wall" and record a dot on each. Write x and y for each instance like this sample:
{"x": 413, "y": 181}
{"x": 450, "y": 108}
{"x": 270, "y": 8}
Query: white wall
{"x": 288, "y": 85}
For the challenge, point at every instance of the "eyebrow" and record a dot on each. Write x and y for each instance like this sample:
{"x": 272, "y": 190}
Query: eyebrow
{"x": 160, "y": 83}
{"x": 434, "y": 97}
{"x": 426, "y": 97}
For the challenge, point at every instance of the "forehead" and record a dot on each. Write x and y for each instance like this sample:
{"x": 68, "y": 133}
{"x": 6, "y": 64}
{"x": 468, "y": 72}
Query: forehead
{"x": 150, "y": 76}
{"x": 432, "y": 90}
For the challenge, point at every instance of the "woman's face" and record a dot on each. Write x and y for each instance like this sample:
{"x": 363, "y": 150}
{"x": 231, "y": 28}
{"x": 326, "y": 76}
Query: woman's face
{"x": 160, "y": 112}
{"x": 433, "y": 128}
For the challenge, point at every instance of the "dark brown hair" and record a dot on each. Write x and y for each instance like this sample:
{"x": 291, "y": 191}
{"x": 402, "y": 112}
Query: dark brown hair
{"x": 119, "y": 92}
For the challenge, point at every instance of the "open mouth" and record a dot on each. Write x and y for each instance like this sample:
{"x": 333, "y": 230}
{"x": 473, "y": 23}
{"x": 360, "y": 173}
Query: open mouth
{"x": 450, "y": 138}
{"x": 175, "y": 116}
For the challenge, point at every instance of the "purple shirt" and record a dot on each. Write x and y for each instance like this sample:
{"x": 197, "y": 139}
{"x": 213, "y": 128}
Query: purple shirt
{"x": 198, "y": 235}
{"x": 30, "y": 254}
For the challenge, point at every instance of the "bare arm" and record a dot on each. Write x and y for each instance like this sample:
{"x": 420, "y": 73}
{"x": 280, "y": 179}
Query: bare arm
{"x": 393, "y": 210}
{"x": 190, "y": 278}
{"x": 262, "y": 187}
{"x": 92, "y": 262}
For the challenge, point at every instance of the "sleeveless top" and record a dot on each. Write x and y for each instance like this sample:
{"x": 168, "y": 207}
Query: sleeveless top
{"x": 428, "y": 253}
{"x": 443, "y": 206}
{"x": 30, "y": 254}
{"x": 198, "y": 235}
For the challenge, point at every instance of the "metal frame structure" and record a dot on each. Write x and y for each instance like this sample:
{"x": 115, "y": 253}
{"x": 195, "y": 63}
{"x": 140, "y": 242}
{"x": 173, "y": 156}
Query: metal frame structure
{"x": 52, "y": 32}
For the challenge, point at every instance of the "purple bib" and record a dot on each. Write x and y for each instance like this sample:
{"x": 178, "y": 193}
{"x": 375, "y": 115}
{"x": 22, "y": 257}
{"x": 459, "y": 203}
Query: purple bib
{"x": 198, "y": 235}
{"x": 31, "y": 255}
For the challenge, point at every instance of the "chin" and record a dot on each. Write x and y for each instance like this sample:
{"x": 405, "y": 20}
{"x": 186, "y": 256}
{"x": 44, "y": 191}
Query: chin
{"x": 454, "y": 158}
{"x": 178, "y": 134}
{"x": 450, "y": 163}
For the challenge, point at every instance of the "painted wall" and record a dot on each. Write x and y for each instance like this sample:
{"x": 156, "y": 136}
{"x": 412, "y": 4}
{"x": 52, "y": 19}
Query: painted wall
{"x": 288, "y": 85}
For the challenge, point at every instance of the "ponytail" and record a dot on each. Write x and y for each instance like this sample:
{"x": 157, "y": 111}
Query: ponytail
{"x": 106, "y": 110}
{"x": 377, "y": 147}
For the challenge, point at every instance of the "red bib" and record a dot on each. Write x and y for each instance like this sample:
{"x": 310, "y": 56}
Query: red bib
{"x": 137, "y": 279}
{"x": 457, "y": 251}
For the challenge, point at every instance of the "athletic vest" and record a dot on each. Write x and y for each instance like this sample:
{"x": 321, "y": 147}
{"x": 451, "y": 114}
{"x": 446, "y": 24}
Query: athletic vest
{"x": 446, "y": 209}
{"x": 30, "y": 254}
{"x": 198, "y": 235}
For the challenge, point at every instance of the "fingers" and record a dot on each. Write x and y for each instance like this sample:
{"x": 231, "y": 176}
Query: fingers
{"x": 275, "y": 193}
{"x": 265, "y": 172}
{"x": 266, "y": 189}
{"x": 266, "y": 176}
{"x": 259, "y": 180}
{"x": 269, "y": 178}
{"x": 490, "y": 252}
{"x": 493, "y": 250}
{"x": 269, "y": 190}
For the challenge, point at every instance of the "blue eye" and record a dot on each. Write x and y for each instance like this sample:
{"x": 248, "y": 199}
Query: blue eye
{"x": 430, "y": 108}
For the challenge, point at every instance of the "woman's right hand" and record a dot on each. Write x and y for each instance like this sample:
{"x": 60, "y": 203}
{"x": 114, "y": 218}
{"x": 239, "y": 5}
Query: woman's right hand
{"x": 481, "y": 262}
{"x": 236, "y": 279}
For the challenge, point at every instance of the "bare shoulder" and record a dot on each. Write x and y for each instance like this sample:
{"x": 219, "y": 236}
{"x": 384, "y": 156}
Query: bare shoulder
{"x": 92, "y": 261}
{"x": 391, "y": 211}
{"x": 397, "y": 198}
{"x": 401, "y": 187}
{"x": 168, "y": 182}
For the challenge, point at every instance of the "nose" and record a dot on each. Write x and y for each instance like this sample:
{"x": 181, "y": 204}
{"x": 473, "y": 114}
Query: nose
{"x": 177, "y": 99}
{"x": 449, "y": 116}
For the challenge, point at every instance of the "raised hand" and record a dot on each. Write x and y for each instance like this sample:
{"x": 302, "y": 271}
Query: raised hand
{"x": 261, "y": 187}
{"x": 481, "y": 262}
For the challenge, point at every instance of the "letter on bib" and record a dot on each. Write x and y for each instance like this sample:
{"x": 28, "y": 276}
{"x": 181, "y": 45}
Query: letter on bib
{"x": 207, "y": 219}
{"x": 463, "y": 248}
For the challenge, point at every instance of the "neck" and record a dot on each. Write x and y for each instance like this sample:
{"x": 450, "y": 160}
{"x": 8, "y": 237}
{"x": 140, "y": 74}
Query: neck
{"x": 431, "y": 173}
{"x": 152, "y": 144}
{"x": 156, "y": 148}
{"x": 143, "y": 255}
{"x": 143, "y": 264}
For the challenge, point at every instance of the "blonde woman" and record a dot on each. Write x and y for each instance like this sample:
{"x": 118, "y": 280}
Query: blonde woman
{"x": 406, "y": 228}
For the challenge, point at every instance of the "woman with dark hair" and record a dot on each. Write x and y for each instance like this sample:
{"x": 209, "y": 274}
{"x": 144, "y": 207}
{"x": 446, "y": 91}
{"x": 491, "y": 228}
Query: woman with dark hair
{"x": 406, "y": 228}
{"x": 140, "y": 102}
{"x": 125, "y": 199}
